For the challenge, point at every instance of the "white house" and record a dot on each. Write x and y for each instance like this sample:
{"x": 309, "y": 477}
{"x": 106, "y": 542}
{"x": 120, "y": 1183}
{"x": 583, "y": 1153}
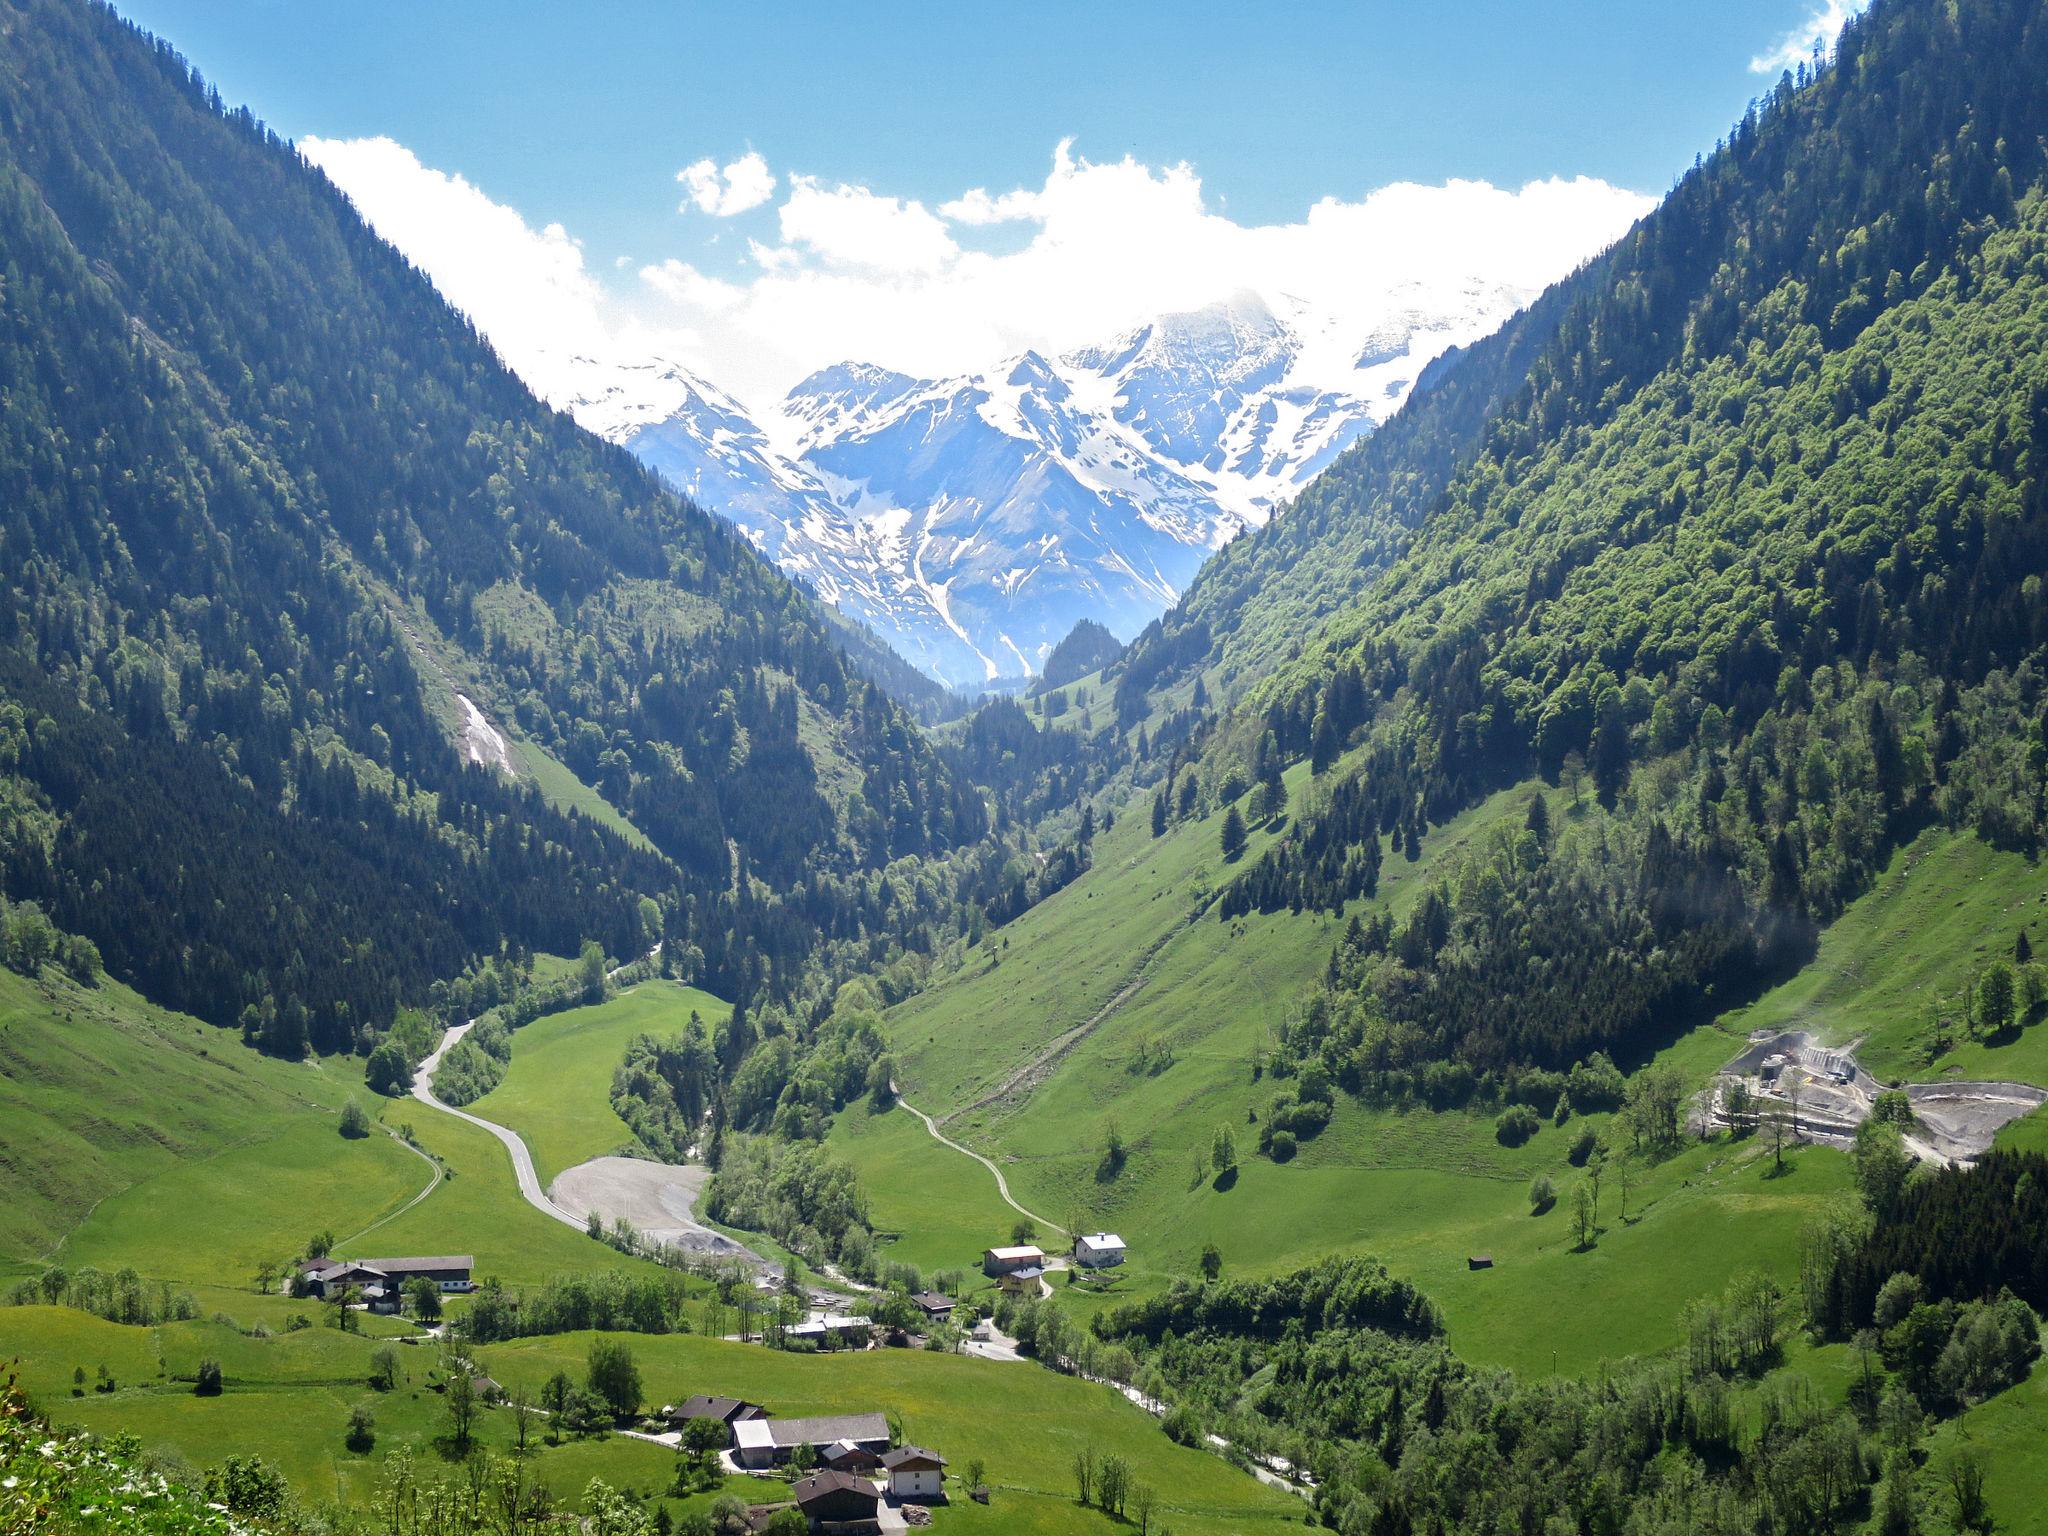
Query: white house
{"x": 914, "y": 1472}
{"x": 1098, "y": 1250}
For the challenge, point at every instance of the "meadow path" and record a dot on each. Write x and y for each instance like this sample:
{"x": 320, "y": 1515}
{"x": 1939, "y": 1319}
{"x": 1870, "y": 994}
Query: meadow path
{"x": 1002, "y": 1184}
{"x": 522, "y": 1160}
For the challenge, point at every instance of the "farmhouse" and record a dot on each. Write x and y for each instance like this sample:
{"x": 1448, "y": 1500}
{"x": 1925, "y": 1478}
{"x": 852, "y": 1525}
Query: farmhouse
{"x": 933, "y": 1305}
{"x": 997, "y": 1262}
{"x": 914, "y": 1472}
{"x": 845, "y": 1456}
{"x": 726, "y": 1410}
{"x": 381, "y": 1280}
{"x": 1098, "y": 1250}
{"x": 759, "y": 1444}
{"x": 838, "y": 1502}
{"x": 1021, "y": 1282}
{"x": 831, "y": 1330}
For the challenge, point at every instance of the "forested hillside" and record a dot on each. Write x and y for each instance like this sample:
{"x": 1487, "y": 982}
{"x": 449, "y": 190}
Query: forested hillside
{"x": 1859, "y": 186}
{"x": 1754, "y": 555}
{"x": 267, "y": 502}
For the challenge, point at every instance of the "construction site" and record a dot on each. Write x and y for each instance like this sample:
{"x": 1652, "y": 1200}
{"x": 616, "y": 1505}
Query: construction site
{"x": 1824, "y": 1095}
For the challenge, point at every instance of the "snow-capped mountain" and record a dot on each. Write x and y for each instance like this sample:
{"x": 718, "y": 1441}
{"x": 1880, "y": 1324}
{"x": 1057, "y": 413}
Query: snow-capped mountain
{"x": 972, "y": 521}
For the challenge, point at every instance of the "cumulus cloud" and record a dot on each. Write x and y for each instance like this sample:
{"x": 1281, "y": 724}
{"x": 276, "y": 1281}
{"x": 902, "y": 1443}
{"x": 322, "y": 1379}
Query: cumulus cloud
{"x": 742, "y": 184}
{"x": 853, "y": 227}
{"x": 1822, "y": 26}
{"x": 1110, "y": 245}
{"x": 977, "y": 207}
{"x": 858, "y": 273}
{"x": 526, "y": 288}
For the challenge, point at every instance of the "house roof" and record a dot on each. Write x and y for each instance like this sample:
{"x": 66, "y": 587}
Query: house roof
{"x": 436, "y": 1261}
{"x": 914, "y": 1457}
{"x": 703, "y": 1407}
{"x": 1025, "y": 1252}
{"x": 824, "y": 1484}
{"x": 1026, "y": 1272}
{"x": 934, "y": 1301}
{"x": 1100, "y": 1240}
{"x": 784, "y": 1434}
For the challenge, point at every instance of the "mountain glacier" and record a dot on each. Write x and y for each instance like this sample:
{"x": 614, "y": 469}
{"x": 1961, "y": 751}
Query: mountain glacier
{"x": 973, "y": 520}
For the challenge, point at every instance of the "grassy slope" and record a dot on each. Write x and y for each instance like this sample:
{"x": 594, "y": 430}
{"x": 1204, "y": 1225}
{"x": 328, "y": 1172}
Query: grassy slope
{"x": 557, "y": 1092}
{"x": 1945, "y": 907}
{"x": 1023, "y": 1421}
{"x": 287, "y": 1399}
{"x": 107, "y": 1102}
{"x": 1422, "y": 1191}
{"x": 130, "y": 1136}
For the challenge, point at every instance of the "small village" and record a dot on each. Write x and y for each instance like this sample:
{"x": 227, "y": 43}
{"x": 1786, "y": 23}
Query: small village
{"x": 841, "y": 1474}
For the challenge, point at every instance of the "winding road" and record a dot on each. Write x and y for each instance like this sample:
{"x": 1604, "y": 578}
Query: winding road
{"x": 522, "y": 1160}
{"x": 1002, "y": 1184}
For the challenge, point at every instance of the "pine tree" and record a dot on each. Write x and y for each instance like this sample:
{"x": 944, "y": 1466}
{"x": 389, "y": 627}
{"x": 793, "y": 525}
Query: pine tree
{"x": 1233, "y": 834}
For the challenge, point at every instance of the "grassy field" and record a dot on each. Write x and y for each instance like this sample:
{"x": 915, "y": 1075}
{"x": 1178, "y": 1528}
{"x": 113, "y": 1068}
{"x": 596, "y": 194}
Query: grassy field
{"x": 557, "y": 1091}
{"x": 2007, "y": 1435}
{"x": 128, "y": 1129}
{"x": 478, "y": 1211}
{"x": 565, "y": 792}
{"x": 130, "y": 1136}
{"x": 1023, "y": 1421}
{"x": 931, "y": 1207}
{"x": 287, "y": 1399}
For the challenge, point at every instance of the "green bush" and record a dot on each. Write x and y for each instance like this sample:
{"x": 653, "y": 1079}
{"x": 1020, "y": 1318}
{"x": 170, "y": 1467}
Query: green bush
{"x": 1517, "y": 1123}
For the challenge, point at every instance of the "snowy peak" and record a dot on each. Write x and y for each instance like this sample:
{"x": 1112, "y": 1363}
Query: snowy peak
{"x": 975, "y": 520}
{"x": 843, "y": 399}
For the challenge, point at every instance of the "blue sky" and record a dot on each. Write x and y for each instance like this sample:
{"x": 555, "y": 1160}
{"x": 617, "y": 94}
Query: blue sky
{"x": 561, "y": 169}
{"x": 583, "y": 113}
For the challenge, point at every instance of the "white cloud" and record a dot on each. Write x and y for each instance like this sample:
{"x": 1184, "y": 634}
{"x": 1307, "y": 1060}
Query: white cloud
{"x": 743, "y": 184}
{"x": 977, "y": 207}
{"x": 526, "y": 288}
{"x": 853, "y": 227}
{"x": 1822, "y": 26}
{"x": 860, "y": 274}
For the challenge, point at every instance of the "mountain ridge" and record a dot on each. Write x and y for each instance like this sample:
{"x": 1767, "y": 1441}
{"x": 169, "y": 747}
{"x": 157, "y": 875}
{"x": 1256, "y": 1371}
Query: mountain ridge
{"x": 972, "y": 520}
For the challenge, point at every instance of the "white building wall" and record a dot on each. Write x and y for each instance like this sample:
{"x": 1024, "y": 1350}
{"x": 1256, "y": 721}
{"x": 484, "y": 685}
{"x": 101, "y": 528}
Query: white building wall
{"x": 920, "y": 1484}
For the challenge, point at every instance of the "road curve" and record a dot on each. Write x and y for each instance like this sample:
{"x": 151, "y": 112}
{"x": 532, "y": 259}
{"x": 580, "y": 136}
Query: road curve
{"x": 522, "y": 1160}
{"x": 1002, "y": 1184}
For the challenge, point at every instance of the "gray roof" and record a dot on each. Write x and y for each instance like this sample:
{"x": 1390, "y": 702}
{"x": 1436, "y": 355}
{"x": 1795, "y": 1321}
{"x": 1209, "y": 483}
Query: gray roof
{"x": 909, "y": 1453}
{"x": 823, "y": 1431}
{"x": 438, "y": 1261}
{"x": 706, "y": 1407}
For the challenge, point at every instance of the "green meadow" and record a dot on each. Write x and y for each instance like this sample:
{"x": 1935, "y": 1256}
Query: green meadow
{"x": 1176, "y": 1018}
{"x": 142, "y": 1138}
{"x": 287, "y": 1399}
{"x": 557, "y": 1091}
{"x": 131, "y": 1129}
{"x": 1024, "y": 1422}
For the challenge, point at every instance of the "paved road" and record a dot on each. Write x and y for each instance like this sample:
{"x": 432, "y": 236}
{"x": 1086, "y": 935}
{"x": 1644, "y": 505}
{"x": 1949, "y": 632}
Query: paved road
{"x": 1002, "y": 1184}
{"x": 522, "y": 1160}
